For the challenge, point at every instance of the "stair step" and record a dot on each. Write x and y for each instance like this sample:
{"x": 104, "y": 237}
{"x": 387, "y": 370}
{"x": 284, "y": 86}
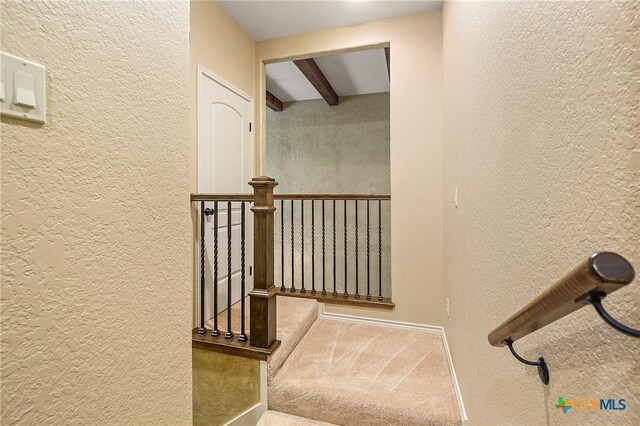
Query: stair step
{"x": 294, "y": 317}
{"x": 359, "y": 374}
{"x": 276, "y": 418}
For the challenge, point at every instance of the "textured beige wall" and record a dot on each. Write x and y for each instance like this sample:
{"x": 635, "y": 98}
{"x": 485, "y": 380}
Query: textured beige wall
{"x": 218, "y": 395}
{"x": 540, "y": 121}
{"x": 415, "y": 153}
{"x": 343, "y": 149}
{"x": 317, "y": 148}
{"x": 95, "y": 218}
{"x": 221, "y": 46}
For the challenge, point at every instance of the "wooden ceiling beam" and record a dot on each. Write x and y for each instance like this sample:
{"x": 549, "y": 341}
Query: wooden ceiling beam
{"x": 273, "y": 102}
{"x": 311, "y": 70}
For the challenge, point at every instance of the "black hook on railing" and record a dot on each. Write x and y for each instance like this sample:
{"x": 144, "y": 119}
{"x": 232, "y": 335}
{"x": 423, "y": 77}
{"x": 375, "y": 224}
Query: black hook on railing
{"x": 543, "y": 371}
{"x": 595, "y": 299}
{"x": 208, "y": 211}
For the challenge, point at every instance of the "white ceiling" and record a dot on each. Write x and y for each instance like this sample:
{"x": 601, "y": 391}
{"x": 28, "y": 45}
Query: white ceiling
{"x": 270, "y": 19}
{"x": 351, "y": 73}
{"x": 286, "y": 82}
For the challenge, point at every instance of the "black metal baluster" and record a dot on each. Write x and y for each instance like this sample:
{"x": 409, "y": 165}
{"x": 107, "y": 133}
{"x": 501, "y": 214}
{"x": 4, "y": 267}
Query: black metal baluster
{"x": 282, "y": 287}
{"x": 324, "y": 290}
{"x": 379, "y": 250}
{"x": 293, "y": 256}
{"x": 243, "y": 335}
{"x": 273, "y": 242}
{"x": 357, "y": 295}
{"x": 202, "y": 329}
{"x": 313, "y": 249}
{"x": 302, "y": 244}
{"x": 335, "y": 292}
{"x": 229, "y": 333}
{"x": 368, "y": 253}
{"x": 346, "y": 263}
{"x": 216, "y": 331}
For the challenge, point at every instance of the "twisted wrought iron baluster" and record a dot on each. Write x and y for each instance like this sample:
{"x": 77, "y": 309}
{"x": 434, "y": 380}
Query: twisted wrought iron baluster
{"x": 229, "y": 334}
{"x": 216, "y": 331}
{"x": 346, "y": 263}
{"x": 202, "y": 329}
{"x": 324, "y": 290}
{"x": 243, "y": 335}
{"x": 302, "y": 290}
{"x": 293, "y": 256}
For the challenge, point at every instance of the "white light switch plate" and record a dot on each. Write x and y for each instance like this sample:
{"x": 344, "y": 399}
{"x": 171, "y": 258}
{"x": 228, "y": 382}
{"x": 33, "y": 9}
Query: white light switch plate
{"x": 29, "y": 87}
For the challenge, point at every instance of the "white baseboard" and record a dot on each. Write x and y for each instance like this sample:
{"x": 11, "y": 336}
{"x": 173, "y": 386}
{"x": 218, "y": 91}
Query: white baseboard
{"x": 454, "y": 379}
{"x": 378, "y": 322}
{"x": 405, "y": 326}
{"x": 249, "y": 417}
{"x": 252, "y": 415}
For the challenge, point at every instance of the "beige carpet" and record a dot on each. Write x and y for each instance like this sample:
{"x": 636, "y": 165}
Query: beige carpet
{"x": 235, "y": 319}
{"x": 356, "y": 374}
{"x": 275, "y": 418}
{"x": 294, "y": 317}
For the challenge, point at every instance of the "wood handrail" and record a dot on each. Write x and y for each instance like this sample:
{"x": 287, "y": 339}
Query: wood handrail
{"x": 347, "y": 197}
{"x": 602, "y": 272}
{"x": 221, "y": 197}
{"x": 249, "y": 197}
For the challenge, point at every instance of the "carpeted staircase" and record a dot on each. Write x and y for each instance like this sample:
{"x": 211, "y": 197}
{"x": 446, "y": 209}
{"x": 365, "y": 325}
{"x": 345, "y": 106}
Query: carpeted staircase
{"x": 277, "y": 418}
{"x": 294, "y": 317}
{"x": 346, "y": 373}
{"x": 357, "y": 374}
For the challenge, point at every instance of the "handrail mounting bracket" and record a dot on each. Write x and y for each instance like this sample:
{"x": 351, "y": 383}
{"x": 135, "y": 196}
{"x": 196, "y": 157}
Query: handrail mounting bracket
{"x": 595, "y": 298}
{"x": 543, "y": 370}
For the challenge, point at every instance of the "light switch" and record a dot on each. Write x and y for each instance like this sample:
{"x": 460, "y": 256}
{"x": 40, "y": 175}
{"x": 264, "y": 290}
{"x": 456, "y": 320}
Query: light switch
{"x": 24, "y": 85}
{"x": 23, "y": 89}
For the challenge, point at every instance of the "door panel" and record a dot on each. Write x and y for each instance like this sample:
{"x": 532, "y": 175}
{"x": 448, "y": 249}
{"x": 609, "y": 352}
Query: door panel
{"x": 225, "y": 165}
{"x": 227, "y": 125}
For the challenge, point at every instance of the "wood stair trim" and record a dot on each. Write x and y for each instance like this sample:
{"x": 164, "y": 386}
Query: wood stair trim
{"x": 340, "y": 299}
{"x": 231, "y": 346}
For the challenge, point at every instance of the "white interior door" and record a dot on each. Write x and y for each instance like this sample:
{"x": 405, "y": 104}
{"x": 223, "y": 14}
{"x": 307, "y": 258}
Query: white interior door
{"x": 225, "y": 165}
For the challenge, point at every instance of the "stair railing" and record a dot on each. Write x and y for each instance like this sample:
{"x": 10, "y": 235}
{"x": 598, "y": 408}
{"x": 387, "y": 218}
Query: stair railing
{"x": 330, "y": 248}
{"x": 588, "y": 283}
{"x": 319, "y": 244}
{"x": 261, "y": 340}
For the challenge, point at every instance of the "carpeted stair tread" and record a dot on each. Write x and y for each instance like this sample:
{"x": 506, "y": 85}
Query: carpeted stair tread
{"x": 294, "y": 317}
{"x": 276, "y": 418}
{"x": 357, "y": 374}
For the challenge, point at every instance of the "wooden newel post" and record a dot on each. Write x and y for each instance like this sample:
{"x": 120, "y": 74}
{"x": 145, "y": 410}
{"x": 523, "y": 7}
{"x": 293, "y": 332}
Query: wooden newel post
{"x": 263, "y": 296}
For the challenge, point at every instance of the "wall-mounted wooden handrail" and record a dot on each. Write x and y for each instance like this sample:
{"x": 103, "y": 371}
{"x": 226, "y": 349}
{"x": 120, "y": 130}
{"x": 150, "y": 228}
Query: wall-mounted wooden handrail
{"x": 600, "y": 274}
